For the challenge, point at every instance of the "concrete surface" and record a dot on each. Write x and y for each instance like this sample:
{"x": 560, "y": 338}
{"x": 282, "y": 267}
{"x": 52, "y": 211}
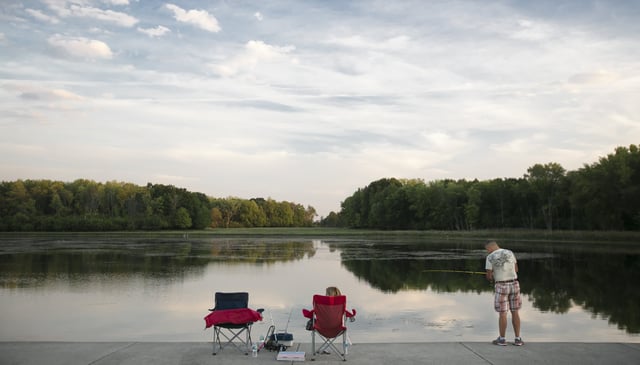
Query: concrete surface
{"x": 467, "y": 353}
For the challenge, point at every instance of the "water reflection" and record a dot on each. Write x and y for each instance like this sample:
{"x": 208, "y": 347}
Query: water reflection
{"x": 392, "y": 267}
{"x": 24, "y": 263}
{"x": 555, "y": 277}
{"x": 406, "y": 289}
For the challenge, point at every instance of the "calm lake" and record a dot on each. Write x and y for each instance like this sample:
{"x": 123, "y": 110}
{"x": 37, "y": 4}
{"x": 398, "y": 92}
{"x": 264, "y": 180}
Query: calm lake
{"x": 141, "y": 288}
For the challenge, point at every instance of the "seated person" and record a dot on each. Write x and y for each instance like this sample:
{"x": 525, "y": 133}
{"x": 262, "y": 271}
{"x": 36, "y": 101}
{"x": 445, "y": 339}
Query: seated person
{"x": 332, "y": 291}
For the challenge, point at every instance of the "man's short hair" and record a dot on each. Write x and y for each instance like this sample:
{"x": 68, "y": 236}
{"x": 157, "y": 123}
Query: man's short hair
{"x": 490, "y": 243}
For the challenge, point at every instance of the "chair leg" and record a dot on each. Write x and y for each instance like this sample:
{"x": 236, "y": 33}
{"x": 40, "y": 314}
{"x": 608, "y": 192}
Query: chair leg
{"x": 242, "y": 345}
{"x": 248, "y": 343}
{"x": 216, "y": 340}
{"x": 344, "y": 346}
{"x": 329, "y": 344}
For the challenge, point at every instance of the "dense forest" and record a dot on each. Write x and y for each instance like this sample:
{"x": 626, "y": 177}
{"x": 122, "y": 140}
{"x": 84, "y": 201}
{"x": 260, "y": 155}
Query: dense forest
{"x": 604, "y": 195}
{"x": 86, "y": 205}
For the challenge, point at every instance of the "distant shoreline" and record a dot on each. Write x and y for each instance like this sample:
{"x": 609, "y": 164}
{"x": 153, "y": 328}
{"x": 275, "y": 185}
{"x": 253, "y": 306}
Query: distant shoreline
{"x": 618, "y": 237}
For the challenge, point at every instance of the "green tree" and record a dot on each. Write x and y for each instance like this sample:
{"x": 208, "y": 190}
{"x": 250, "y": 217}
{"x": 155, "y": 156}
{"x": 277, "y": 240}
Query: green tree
{"x": 547, "y": 182}
{"x": 331, "y": 220}
{"x": 183, "y": 219}
{"x": 472, "y": 208}
{"x": 216, "y": 218}
{"x": 351, "y": 211}
{"x": 21, "y": 207}
{"x": 606, "y": 194}
{"x": 310, "y": 214}
{"x": 250, "y": 215}
{"x": 56, "y": 205}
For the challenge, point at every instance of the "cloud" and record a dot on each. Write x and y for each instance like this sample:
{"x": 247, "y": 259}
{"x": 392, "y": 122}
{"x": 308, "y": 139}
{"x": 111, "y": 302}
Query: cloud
{"x": 117, "y": 2}
{"x": 396, "y": 43}
{"x": 118, "y": 18}
{"x": 531, "y": 31}
{"x": 590, "y": 78}
{"x": 529, "y": 145}
{"x": 75, "y": 10}
{"x": 41, "y": 16}
{"x": 258, "y": 15}
{"x": 158, "y": 31}
{"x": 30, "y": 91}
{"x": 49, "y": 94}
{"x": 442, "y": 142}
{"x": 199, "y": 18}
{"x": 254, "y": 53}
{"x": 81, "y": 47}
{"x": 262, "y": 104}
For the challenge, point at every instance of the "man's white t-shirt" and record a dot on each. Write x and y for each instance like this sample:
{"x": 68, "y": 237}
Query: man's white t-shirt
{"x": 503, "y": 264}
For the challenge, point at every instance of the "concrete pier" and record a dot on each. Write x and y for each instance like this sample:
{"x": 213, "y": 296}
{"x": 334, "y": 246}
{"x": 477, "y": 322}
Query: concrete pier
{"x": 463, "y": 353}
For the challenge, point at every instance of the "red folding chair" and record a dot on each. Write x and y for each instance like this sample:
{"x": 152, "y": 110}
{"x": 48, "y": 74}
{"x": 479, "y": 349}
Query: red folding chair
{"x": 328, "y": 321}
{"x": 231, "y": 318}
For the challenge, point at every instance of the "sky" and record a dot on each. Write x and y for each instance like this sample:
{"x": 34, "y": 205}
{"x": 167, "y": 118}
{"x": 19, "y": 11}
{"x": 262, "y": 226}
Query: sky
{"x": 307, "y": 101}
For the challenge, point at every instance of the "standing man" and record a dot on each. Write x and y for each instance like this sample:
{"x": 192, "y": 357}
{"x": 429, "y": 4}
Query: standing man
{"x": 502, "y": 269}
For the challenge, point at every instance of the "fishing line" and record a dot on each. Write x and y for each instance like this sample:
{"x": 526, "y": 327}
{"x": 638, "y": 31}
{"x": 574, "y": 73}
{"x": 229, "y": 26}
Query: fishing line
{"x": 457, "y": 271}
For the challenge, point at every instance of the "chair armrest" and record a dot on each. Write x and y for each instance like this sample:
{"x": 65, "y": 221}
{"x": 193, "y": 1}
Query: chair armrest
{"x": 350, "y": 315}
{"x": 307, "y": 313}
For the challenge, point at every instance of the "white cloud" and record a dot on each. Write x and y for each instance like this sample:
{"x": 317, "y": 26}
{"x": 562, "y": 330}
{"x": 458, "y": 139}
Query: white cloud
{"x": 258, "y": 15}
{"x": 442, "y": 142}
{"x": 531, "y": 31}
{"x": 117, "y": 2}
{"x": 591, "y": 78}
{"x": 261, "y": 50}
{"x": 158, "y": 31}
{"x": 80, "y": 10}
{"x": 525, "y": 146}
{"x": 37, "y": 93}
{"x": 254, "y": 53}
{"x": 41, "y": 16}
{"x": 361, "y": 42}
{"x": 200, "y": 18}
{"x": 66, "y": 95}
{"x": 118, "y": 18}
{"x": 81, "y": 47}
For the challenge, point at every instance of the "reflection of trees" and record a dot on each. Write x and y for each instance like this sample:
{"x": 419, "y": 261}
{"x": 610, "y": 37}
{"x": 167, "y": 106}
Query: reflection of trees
{"x": 252, "y": 251}
{"x": 602, "y": 282}
{"x": 84, "y": 260}
{"x": 81, "y": 265}
{"x": 396, "y": 275}
{"x": 396, "y": 267}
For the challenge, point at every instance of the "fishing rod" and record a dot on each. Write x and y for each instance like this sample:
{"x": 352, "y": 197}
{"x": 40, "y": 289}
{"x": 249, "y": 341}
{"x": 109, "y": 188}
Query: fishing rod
{"x": 458, "y": 271}
{"x": 288, "y": 320}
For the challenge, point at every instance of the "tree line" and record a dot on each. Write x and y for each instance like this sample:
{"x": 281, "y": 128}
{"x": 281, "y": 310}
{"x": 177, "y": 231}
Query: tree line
{"x": 604, "y": 195}
{"x": 86, "y": 205}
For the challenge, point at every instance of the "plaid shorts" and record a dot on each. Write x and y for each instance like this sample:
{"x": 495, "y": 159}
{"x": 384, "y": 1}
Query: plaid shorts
{"x": 507, "y": 296}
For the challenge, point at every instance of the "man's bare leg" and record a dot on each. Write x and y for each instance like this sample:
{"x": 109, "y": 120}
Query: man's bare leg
{"x": 502, "y": 324}
{"x": 515, "y": 320}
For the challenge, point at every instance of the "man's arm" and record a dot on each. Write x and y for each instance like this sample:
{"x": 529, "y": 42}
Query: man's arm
{"x": 489, "y": 275}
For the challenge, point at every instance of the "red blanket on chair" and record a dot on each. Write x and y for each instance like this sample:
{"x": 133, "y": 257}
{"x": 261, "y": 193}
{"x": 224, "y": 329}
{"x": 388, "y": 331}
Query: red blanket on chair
{"x": 233, "y": 316}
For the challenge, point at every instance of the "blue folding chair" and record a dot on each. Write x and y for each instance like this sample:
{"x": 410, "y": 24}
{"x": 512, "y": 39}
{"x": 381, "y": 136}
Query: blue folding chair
{"x": 232, "y": 307}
